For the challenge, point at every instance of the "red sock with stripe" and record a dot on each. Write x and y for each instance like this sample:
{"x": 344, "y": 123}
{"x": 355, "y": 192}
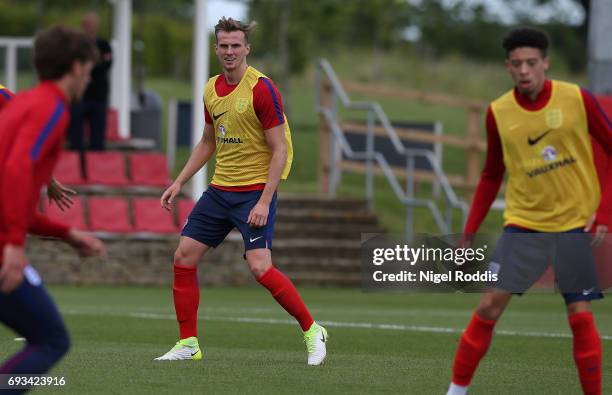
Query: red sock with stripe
{"x": 283, "y": 290}
{"x": 186, "y": 291}
{"x": 473, "y": 346}
{"x": 587, "y": 351}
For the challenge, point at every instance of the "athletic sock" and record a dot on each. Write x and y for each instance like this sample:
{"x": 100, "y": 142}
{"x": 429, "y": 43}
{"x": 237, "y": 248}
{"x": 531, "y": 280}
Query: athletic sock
{"x": 473, "y": 346}
{"x": 587, "y": 351}
{"x": 283, "y": 290}
{"x": 186, "y": 291}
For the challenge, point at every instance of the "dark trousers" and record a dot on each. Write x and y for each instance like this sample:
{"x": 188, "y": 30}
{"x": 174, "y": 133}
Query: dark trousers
{"x": 94, "y": 113}
{"x": 31, "y": 313}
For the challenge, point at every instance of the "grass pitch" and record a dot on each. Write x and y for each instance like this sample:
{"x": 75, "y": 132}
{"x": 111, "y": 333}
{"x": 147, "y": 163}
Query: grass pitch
{"x": 379, "y": 343}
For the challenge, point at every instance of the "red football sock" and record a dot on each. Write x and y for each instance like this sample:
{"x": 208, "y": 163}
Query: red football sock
{"x": 283, "y": 290}
{"x": 587, "y": 351}
{"x": 186, "y": 291}
{"x": 473, "y": 346}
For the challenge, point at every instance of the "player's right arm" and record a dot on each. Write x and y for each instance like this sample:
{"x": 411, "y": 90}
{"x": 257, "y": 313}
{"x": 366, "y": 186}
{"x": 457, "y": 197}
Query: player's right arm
{"x": 490, "y": 179}
{"x": 201, "y": 154}
{"x": 84, "y": 243}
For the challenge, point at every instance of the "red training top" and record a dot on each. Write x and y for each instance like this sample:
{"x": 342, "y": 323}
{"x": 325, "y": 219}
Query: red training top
{"x": 32, "y": 130}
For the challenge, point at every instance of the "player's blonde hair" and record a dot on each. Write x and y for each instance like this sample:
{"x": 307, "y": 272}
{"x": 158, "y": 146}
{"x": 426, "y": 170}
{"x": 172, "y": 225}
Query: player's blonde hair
{"x": 233, "y": 25}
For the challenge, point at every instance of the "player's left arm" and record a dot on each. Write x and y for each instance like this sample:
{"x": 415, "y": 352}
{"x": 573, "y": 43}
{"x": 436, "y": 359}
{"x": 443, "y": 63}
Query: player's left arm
{"x": 42, "y": 225}
{"x": 275, "y": 138}
{"x": 84, "y": 243}
{"x": 268, "y": 106}
{"x": 600, "y": 128}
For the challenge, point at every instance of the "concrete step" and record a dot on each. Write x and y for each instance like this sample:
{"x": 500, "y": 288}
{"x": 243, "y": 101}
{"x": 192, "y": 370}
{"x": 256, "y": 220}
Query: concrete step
{"x": 321, "y": 203}
{"x": 323, "y": 264}
{"x": 322, "y": 278}
{"x": 297, "y": 248}
{"x": 305, "y": 230}
{"x": 325, "y": 216}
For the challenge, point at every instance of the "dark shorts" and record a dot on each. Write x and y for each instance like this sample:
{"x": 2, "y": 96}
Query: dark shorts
{"x": 30, "y": 311}
{"x": 522, "y": 256}
{"x": 218, "y": 212}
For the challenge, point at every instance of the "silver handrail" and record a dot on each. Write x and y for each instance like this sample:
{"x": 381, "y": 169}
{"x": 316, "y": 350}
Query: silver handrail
{"x": 340, "y": 145}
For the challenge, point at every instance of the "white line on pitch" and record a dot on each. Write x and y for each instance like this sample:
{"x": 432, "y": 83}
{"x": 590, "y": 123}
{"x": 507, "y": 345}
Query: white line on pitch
{"x": 360, "y": 325}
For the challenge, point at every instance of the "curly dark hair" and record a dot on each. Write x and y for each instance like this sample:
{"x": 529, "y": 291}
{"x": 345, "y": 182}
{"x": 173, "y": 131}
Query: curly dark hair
{"x": 526, "y": 37}
{"x": 56, "y": 48}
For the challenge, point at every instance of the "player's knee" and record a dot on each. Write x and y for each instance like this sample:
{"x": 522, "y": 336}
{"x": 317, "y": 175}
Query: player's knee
{"x": 578, "y": 307}
{"x": 62, "y": 344}
{"x": 57, "y": 344}
{"x": 259, "y": 261}
{"x": 258, "y": 269}
{"x": 183, "y": 256}
{"x": 489, "y": 309}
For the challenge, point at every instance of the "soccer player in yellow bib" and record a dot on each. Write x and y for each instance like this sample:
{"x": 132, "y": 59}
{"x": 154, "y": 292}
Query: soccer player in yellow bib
{"x": 246, "y": 126}
{"x": 540, "y": 133}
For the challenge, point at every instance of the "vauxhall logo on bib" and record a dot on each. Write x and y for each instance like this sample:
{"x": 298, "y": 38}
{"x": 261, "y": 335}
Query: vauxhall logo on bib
{"x": 221, "y": 139}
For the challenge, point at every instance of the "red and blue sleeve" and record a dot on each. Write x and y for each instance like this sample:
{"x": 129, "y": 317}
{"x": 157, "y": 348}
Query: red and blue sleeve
{"x": 38, "y": 136}
{"x": 5, "y": 96}
{"x": 268, "y": 104}
{"x": 600, "y": 128}
{"x": 490, "y": 179}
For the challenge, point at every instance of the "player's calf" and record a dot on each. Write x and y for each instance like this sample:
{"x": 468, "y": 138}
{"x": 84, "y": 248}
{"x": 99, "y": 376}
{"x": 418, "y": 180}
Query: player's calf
{"x": 587, "y": 351}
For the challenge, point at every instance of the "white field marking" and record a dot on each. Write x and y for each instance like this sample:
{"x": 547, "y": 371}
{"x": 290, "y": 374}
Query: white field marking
{"x": 364, "y": 312}
{"x": 339, "y": 324}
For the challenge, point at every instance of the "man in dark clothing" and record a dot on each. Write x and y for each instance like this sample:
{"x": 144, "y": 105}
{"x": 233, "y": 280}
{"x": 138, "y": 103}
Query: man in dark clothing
{"x": 94, "y": 106}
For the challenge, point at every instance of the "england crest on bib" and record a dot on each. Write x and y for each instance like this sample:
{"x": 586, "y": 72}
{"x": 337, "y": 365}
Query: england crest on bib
{"x": 242, "y": 104}
{"x": 554, "y": 118}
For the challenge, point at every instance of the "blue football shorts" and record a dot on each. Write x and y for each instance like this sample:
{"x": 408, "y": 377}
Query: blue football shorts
{"x": 522, "y": 256}
{"x": 218, "y": 212}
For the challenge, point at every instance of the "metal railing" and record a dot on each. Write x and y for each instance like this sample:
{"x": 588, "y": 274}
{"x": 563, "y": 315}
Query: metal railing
{"x": 339, "y": 146}
{"x": 12, "y": 45}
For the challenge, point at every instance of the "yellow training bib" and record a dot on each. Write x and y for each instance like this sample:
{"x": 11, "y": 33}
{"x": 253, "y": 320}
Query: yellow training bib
{"x": 242, "y": 153}
{"x": 552, "y": 183}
